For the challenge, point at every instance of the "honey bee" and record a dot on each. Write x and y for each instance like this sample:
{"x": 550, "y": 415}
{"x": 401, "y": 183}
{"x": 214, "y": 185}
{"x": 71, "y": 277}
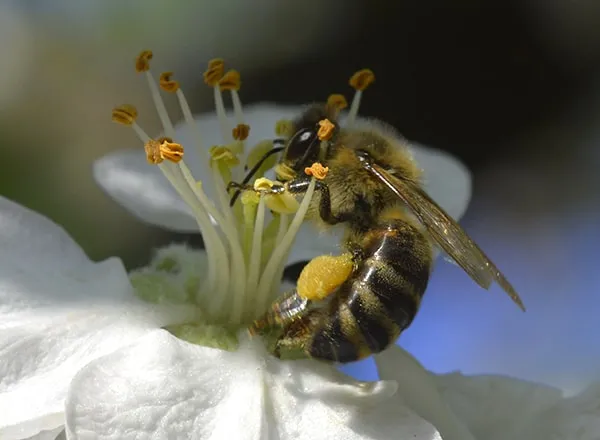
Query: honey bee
{"x": 372, "y": 188}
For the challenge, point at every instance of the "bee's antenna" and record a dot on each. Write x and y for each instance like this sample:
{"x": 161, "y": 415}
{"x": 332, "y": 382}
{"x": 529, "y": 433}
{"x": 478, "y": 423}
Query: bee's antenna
{"x": 255, "y": 168}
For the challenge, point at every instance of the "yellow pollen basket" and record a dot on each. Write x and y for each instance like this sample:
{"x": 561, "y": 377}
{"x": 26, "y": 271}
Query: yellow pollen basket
{"x": 323, "y": 275}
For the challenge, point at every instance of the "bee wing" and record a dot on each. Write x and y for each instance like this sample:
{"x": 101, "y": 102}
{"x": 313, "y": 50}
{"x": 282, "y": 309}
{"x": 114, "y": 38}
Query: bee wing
{"x": 446, "y": 232}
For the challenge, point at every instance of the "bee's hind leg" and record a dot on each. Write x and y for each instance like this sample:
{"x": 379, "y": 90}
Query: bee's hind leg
{"x": 294, "y": 341}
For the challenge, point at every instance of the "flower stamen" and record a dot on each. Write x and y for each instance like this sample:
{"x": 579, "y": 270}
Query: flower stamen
{"x": 326, "y": 129}
{"x": 278, "y": 258}
{"x": 337, "y": 101}
{"x": 142, "y": 61}
{"x": 241, "y": 132}
{"x": 317, "y": 170}
{"x": 243, "y": 273}
{"x": 168, "y": 84}
{"x": 125, "y": 114}
{"x": 212, "y": 77}
{"x": 161, "y": 149}
{"x": 359, "y": 81}
{"x": 142, "y": 64}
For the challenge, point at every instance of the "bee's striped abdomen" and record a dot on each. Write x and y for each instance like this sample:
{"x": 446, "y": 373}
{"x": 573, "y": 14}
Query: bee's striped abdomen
{"x": 380, "y": 299}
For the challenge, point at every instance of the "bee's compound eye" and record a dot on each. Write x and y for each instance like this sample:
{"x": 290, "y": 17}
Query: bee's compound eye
{"x": 303, "y": 144}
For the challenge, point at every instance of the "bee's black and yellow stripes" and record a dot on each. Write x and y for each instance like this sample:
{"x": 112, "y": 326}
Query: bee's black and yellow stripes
{"x": 380, "y": 299}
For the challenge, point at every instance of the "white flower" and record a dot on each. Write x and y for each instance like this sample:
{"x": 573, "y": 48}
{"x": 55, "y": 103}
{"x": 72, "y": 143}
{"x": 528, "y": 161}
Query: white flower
{"x": 75, "y": 338}
{"x": 63, "y": 316}
{"x": 58, "y": 311}
{"x": 123, "y": 376}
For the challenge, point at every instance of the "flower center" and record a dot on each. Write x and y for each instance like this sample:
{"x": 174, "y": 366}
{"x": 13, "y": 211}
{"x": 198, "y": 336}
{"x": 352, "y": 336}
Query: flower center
{"x": 247, "y": 246}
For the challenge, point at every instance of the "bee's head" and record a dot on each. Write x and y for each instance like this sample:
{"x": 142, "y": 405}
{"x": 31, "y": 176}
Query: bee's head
{"x": 303, "y": 148}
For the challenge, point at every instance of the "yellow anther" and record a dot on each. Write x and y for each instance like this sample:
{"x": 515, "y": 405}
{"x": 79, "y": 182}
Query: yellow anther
{"x": 224, "y": 155}
{"x": 250, "y": 198}
{"x": 163, "y": 148}
{"x": 142, "y": 61}
{"x": 216, "y": 62}
{"x": 317, "y": 170}
{"x": 323, "y": 275}
{"x": 168, "y": 84}
{"x": 326, "y": 129}
{"x": 282, "y": 203}
{"x": 362, "y": 79}
{"x": 125, "y": 114}
{"x": 230, "y": 81}
{"x": 337, "y": 101}
{"x": 263, "y": 184}
{"x": 241, "y": 132}
{"x": 284, "y": 128}
{"x": 284, "y": 172}
{"x": 153, "y": 155}
{"x": 170, "y": 150}
{"x": 214, "y": 73}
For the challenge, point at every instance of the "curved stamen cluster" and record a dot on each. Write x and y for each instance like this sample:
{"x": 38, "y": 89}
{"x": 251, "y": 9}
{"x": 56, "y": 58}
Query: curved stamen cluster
{"x": 247, "y": 246}
{"x": 245, "y": 259}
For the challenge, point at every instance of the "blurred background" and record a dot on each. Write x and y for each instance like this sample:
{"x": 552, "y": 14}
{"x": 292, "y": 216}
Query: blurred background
{"x": 510, "y": 87}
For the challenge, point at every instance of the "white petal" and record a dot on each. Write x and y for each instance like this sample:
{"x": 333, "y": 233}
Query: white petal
{"x": 447, "y": 180}
{"x": 58, "y": 311}
{"x": 418, "y": 388}
{"x": 143, "y": 190}
{"x": 503, "y": 408}
{"x": 53, "y": 434}
{"x": 166, "y": 388}
{"x": 312, "y": 400}
{"x": 576, "y": 417}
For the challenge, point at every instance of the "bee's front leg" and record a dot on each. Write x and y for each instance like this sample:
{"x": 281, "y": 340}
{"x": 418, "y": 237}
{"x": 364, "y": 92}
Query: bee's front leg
{"x": 300, "y": 186}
